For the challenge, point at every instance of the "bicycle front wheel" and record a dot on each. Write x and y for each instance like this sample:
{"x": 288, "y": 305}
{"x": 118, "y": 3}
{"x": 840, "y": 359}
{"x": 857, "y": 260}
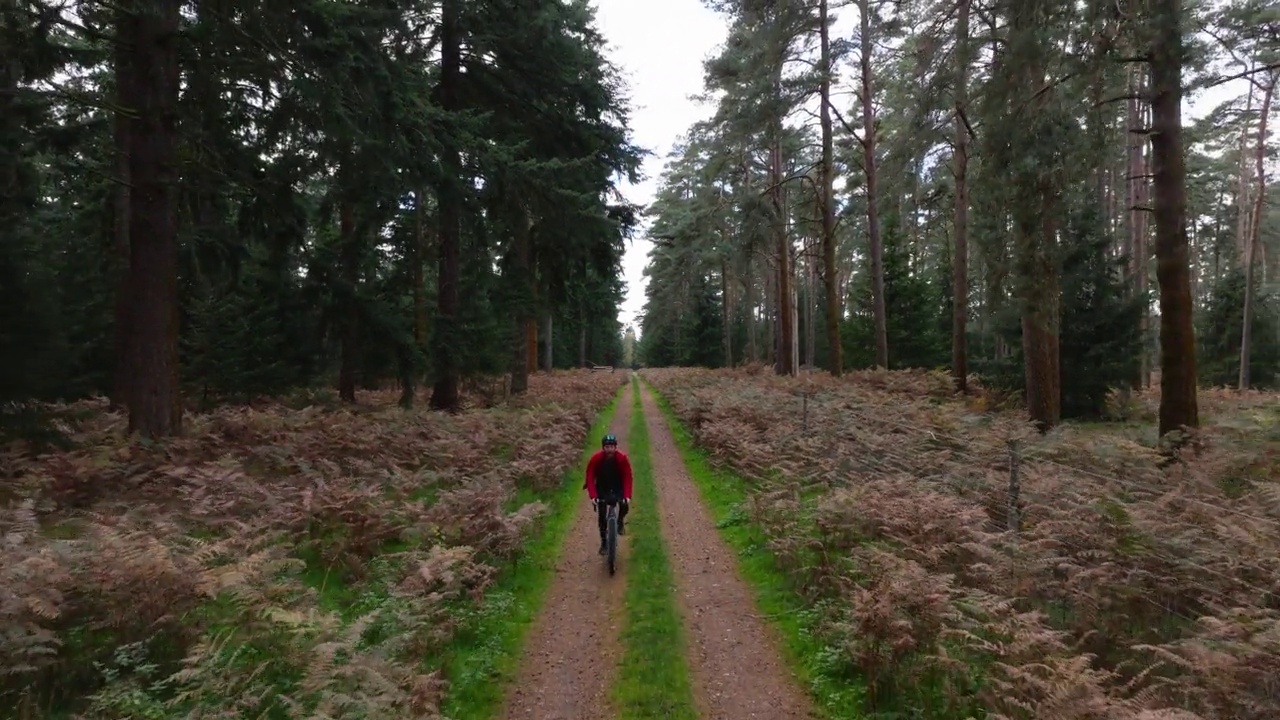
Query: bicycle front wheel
{"x": 613, "y": 541}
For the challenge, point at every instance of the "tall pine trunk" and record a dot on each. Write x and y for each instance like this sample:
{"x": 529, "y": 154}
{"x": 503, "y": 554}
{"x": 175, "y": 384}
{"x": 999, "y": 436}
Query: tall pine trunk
{"x": 121, "y": 204}
{"x": 548, "y": 349}
{"x": 1178, "y": 391}
{"x": 525, "y": 352}
{"x": 960, "y": 256}
{"x": 444, "y": 395}
{"x": 1035, "y": 213}
{"x": 873, "y": 211}
{"x": 349, "y": 272}
{"x": 786, "y": 335}
{"x": 417, "y": 272}
{"x": 726, "y": 290}
{"x": 1250, "y": 255}
{"x": 150, "y": 34}
{"x": 1242, "y": 186}
{"x": 835, "y": 353}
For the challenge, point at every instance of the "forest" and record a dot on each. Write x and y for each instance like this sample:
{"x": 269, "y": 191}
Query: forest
{"x": 216, "y": 200}
{"x": 1011, "y": 190}
{"x": 954, "y": 385}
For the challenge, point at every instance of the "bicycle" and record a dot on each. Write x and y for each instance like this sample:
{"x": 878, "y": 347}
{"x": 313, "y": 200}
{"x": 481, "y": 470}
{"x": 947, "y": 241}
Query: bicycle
{"x": 611, "y": 534}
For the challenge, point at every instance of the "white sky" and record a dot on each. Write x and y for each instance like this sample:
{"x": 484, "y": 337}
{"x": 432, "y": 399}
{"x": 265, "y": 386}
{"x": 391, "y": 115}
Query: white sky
{"x": 659, "y": 45}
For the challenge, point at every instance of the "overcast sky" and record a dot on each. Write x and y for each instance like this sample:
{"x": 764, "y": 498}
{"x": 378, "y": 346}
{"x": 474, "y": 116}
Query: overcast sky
{"x": 659, "y": 46}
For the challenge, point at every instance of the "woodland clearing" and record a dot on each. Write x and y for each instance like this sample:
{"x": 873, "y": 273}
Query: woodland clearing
{"x": 272, "y": 562}
{"x": 1115, "y": 585}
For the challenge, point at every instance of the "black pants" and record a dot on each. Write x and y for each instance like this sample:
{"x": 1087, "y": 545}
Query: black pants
{"x": 602, "y": 510}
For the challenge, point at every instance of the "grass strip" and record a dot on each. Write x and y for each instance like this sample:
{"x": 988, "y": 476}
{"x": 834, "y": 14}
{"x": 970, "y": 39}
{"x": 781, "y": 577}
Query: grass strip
{"x": 654, "y": 674}
{"x": 818, "y": 666}
{"x": 484, "y": 656}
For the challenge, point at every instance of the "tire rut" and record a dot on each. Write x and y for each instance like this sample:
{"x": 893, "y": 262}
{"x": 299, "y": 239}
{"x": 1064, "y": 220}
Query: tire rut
{"x": 571, "y": 654}
{"x": 737, "y": 669}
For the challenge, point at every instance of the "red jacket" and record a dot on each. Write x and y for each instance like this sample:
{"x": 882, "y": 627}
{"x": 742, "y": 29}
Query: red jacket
{"x": 624, "y": 465}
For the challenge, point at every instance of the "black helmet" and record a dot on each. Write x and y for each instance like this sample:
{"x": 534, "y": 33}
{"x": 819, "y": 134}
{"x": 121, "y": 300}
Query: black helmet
{"x": 609, "y": 439}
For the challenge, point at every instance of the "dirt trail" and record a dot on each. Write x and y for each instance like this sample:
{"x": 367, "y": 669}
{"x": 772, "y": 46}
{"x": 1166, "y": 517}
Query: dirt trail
{"x": 737, "y": 668}
{"x": 572, "y": 651}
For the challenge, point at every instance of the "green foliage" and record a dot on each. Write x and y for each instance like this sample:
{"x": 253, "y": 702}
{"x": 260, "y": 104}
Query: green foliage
{"x": 915, "y": 337}
{"x": 693, "y": 337}
{"x": 238, "y": 346}
{"x": 1099, "y": 338}
{"x": 1219, "y": 332}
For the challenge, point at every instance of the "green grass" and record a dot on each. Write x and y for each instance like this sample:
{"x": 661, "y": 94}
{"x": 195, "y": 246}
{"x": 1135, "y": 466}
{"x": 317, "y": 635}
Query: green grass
{"x": 655, "y": 677}
{"x": 820, "y": 667}
{"x": 483, "y": 657}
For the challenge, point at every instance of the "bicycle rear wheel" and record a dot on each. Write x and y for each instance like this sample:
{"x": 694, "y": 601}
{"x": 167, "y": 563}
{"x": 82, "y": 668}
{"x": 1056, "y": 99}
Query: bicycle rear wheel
{"x": 612, "y": 539}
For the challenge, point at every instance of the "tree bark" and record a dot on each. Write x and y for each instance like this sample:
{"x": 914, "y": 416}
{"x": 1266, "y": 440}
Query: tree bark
{"x": 749, "y": 298}
{"x": 531, "y": 320}
{"x": 1139, "y": 202}
{"x": 349, "y": 270}
{"x": 726, "y": 288}
{"x": 873, "y": 212}
{"x": 1035, "y": 209}
{"x": 417, "y": 272}
{"x": 1246, "y": 330}
{"x": 785, "y": 337}
{"x": 835, "y": 352}
{"x": 960, "y": 257}
{"x": 444, "y": 394}
{"x": 582, "y": 335}
{"x": 1178, "y": 391}
{"x": 525, "y": 351}
{"x": 1242, "y": 187}
{"x": 548, "y": 354}
{"x": 152, "y": 84}
{"x": 121, "y": 204}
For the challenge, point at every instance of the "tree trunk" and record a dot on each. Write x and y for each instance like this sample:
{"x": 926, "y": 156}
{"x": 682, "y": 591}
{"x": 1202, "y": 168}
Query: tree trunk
{"x": 785, "y": 337}
{"x": 349, "y": 270}
{"x": 444, "y": 395}
{"x": 1041, "y": 319}
{"x": 417, "y": 272}
{"x": 526, "y": 352}
{"x": 1246, "y": 330}
{"x": 1242, "y": 187}
{"x": 581, "y": 336}
{"x": 810, "y": 311}
{"x": 121, "y": 203}
{"x": 531, "y": 321}
{"x": 548, "y": 355}
{"x": 749, "y": 298}
{"x": 726, "y": 287}
{"x": 873, "y": 212}
{"x": 960, "y": 257}
{"x": 835, "y": 352}
{"x": 531, "y": 342}
{"x": 1139, "y": 206}
{"x": 794, "y": 309}
{"x": 1035, "y": 208}
{"x": 1178, "y": 392}
{"x": 152, "y": 83}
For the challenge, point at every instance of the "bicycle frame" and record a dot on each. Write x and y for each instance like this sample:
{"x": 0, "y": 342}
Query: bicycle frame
{"x": 611, "y": 535}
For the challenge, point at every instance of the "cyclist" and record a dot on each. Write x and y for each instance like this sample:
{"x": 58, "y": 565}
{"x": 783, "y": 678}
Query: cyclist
{"x": 609, "y": 481}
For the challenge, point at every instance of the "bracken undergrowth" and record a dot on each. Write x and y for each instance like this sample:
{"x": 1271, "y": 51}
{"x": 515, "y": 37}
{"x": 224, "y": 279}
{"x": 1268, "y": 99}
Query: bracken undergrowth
{"x": 275, "y": 561}
{"x": 1115, "y": 584}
